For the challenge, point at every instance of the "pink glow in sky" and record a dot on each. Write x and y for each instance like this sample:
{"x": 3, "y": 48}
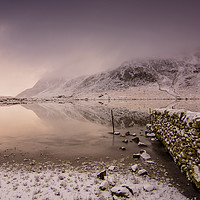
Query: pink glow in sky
{"x": 82, "y": 37}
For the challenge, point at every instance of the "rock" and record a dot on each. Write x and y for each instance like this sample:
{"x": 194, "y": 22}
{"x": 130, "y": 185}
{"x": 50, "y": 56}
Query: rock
{"x": 101, "y": 175}
{"x": 196, "y": 175}
{"x": 141, "y": 144}
{"x": 63, "y": 184}
{"x": 116, "y": 133}
{"x": 136, "y": 139}
{"x": 127, "y": 133}
{"x": 60, "y": 177}
{"x": 134, "y": 167}
{"x": 145, "y": 155}
{"x": 148, "y": 188}
{"x": 125, "y": 141}
{"x": 111, "y": 180}
{"x": 104, "y": 185}
{"x": 134, "y": 189}
{"x": 115, "y": 197}
{"x": 120, "y": 191}
{"x": 150, "y": 162}
{"x": 150, "y": 135}
{"x": 136, "y": 155}
{"x": 111, "y": 168}
{"x": 33, "y": 162}
{"x": 142, "y": 172}
{"x": 148, "y": 126}
{"x": 57, "y": 193}
{"x": 122, "y": 148}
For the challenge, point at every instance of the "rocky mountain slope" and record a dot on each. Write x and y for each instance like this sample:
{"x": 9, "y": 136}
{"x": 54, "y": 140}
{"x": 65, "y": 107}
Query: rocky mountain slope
{"x": 159, "y": 78}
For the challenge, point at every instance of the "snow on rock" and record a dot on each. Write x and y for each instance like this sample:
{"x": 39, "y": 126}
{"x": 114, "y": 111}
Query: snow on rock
{"x": 134, "y": 167}
{"x": 145, "y": 155}
{"x": 196, "y": 174}
{"x": 141, "y": 144}
{"x": 148, "y": 188}
{"x": 104, "y": 185}
{"x": 142, "y": 172}
{"x": 120, "y": 191}
{"x": 111, "y": 168}
{"x": 150, "y": 135}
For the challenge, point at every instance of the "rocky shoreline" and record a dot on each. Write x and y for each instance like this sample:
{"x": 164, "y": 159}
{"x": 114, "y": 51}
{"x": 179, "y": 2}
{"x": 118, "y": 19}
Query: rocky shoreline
{"x": 88, "y": 180}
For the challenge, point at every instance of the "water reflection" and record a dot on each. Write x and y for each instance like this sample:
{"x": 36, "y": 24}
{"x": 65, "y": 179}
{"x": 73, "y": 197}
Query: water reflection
{"x": 73, "y": 129}
{"x": 123, "y": 117}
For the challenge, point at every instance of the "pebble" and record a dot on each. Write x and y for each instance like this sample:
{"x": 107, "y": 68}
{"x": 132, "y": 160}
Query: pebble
{"x": 136, "y": 139}
{"x": 136, "y": 155}
{"x": 134, "y": 167}
{"x": 141, "y": 144}
{"x": 60, "y": 177}
{"x": 145, "y": 155}
{"x": 104, "y": 185}
{"x": 142, "y": 172}
{"x": 57, "y": 193}
{"x": 148, "y": 188}
{"x": 120, "y": 191}
{"x": 122, "y": 148}
{"x": 101, "y": 174}
{"x": 150, "y": 135}
{"x": 127, "y": 133}
{"x": 150, "y": 162}
{"x": 111, "y": 168}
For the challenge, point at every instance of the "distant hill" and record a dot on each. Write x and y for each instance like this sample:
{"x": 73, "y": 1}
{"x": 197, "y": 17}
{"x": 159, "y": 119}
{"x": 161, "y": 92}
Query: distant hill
{"x": 147, "y": 78}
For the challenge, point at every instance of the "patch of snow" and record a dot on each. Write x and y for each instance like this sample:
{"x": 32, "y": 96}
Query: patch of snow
{"x": 21, "y": 182}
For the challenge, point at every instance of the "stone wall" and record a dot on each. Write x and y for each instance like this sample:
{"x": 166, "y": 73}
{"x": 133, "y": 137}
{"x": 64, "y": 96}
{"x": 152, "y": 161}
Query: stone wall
{"x": 179, "y": 131}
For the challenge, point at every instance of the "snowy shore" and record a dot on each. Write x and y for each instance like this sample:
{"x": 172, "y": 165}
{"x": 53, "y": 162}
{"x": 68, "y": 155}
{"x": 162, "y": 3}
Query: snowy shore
{"x": 64, "y": 181}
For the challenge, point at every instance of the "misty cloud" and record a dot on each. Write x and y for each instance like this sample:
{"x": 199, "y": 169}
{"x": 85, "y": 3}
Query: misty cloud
{"x": 74, "y": 38}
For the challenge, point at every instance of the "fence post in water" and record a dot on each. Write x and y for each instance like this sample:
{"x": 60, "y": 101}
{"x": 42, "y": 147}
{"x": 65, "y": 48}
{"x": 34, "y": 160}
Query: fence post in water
{"x": 113, "y": 122}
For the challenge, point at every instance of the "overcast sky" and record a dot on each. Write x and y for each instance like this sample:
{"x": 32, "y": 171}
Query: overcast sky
{"x": 76, "y": 37}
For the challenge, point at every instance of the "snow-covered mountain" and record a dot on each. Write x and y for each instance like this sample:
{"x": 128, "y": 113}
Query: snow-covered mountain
{"x": 147, "y": 78}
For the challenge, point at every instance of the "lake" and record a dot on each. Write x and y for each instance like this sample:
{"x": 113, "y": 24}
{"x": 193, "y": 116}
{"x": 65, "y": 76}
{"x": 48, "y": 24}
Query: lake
{"x": 78, "y": 128}
{"x": 81, "y": 130}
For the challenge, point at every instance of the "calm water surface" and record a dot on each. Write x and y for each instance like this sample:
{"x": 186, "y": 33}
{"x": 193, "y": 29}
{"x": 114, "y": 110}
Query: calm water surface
{"x": 51, "y": 131}
{"x": 64, "y": 129}
{"x": 79, "y": 128}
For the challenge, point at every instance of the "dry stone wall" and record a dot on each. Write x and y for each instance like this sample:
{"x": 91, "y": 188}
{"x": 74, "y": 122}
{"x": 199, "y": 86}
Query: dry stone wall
{"x": 179, "y": 131}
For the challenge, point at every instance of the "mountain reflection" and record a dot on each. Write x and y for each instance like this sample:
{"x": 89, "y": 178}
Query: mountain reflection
{"x": 98, "y": 114}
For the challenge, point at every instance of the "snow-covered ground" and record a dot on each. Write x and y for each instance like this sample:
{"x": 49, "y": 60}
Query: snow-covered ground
{"x": 63, "y": 181}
